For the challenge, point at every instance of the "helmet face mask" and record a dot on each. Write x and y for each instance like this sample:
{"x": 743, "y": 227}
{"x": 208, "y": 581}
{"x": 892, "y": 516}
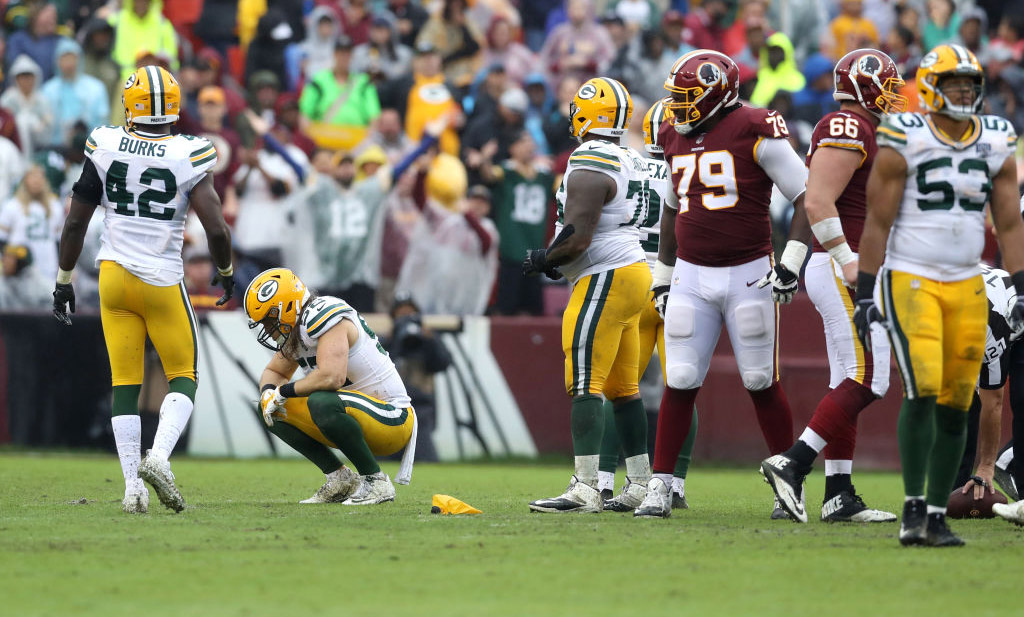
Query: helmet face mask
{"x": 939, "y": 65}
{"x": 870, "y": 78}
{"x": 701, "y": 84}
{"x": 273, "y": 303}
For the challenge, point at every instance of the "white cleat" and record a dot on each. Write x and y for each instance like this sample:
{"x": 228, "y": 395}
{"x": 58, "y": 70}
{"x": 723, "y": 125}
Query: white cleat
{"x": 1013, "y": 512}
{"x": 339, "y": 486}
{"x": 136, "y": 500}
{"x": 157, "y": 472}
{"x": 657, "y": 502}
{"x": 375, "y": 488}
{"x": 629, "y": 499}
{"x": 578, "y": 497}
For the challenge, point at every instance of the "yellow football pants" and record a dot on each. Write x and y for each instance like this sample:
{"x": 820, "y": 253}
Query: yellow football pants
{"x": 937, "y": 331}
{"x": 130, "y": 309}
{"x": 386, "y": 428}
{"x": 652, "y": 334}
{"x": 601, "y": 334}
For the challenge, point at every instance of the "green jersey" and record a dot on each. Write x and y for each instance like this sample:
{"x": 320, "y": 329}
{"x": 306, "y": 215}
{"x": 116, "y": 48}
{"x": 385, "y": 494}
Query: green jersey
{"x": 521, "y": 211}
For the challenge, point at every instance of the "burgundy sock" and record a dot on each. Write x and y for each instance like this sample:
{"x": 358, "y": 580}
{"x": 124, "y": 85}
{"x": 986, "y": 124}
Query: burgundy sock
{"x": 674, "y": 418}
{"x": 774, "y": 416}
{"x": 835, "y": 419}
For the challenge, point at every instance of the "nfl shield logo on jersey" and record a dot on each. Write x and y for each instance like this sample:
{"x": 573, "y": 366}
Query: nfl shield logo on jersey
{"x": 984, "y": 149}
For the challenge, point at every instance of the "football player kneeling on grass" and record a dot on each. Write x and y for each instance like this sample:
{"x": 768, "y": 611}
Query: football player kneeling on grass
{"x": 350, "y": 397}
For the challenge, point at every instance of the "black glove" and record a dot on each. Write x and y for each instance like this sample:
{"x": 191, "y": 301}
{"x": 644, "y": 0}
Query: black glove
{"x": 227, "y": 283}
{"x": 784, "y": 284}
{"x": 1017, "y": 314}
{"x": 865, "y": 313}
{"x": 63, "y": 295}
{"x": 661, "y": 299}
{"x": 536, "y": 262}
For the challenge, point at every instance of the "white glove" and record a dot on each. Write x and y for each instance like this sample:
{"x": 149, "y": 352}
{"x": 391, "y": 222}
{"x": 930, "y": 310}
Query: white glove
{"x": 660, "y": 286}
{"x": 272, "y": 402}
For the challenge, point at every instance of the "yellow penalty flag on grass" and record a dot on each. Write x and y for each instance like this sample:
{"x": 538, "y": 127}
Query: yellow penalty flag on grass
{"x": 446, "y": 504}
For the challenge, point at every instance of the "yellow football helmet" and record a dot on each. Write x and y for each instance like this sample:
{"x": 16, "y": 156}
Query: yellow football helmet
{"x": 151, "y": 96}
{"x": 652, "y": 123}
{"x": 949, "y": 61}
{"x": 274, "y": 300}
{"x": 602, "y": 107}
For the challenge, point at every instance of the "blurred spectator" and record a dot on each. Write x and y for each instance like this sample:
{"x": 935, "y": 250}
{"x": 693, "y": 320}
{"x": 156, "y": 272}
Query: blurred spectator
{"x": 1007, "y": 84}
{"x": 579, "y": 47}
{"x": 75, "y": 96}
{"x": 777, "y": 71}
{"x": 908, "y": 15}
{"x": 805, "y": 22}
{"x": 38, "y": 40}
{"x": 556, "y": 127}
{"x": 456, "y": 39}
{"x": 12, "y": 166}
{"x": 33, "y": 218}
{"x": 210, "y": 67}
{"x": 1010, "y": 36}
{"x": 263, "y": 92}
{"x": 973, "y": 33}
{"x": 735, "y": 38}
{"x": 218, "y": 24}
{"x": 97, "y": 38}
{"x": 755, "y": 31}
{"x": 540, "y": 107}
{"x": 9, "y": 130}
{"x": 624, "y": 65}
{"x": 423, "y": 97}
{"x": 494, "y": 132}
{"x": 410, "y": 18}
{"x": 320, "y": 39}
{"x": 653, "y": 65}
{"x": 141, "y": 25}
{"x": 881, "y": 13}
{"x": 503, "y": 50}
{"x": 287, "y": 114}
{"x": 355, "y": 20}
{"x": 62, "y": 163}
{"x": 672, "y": 27}
{"x": 704, "y": 27}
{"x": 815, "y": 100}
{"x": 637, "y": 14}
{"x": 534, "y": 16}
{"x": 267, "y": 50}
{"x": 483, "y": 98}
{"x": 387, "y": 134}
{"x": 903, "y": 50}
{"x": 941, "y": 24}
{"x": 339, "y": 96}
{"x": 382, "y": 57}
{"x": 850, "y": 30}
{"x": 523, "y": 192}
{"x": 213, "y": 111}
{"x": 31, "y": 110}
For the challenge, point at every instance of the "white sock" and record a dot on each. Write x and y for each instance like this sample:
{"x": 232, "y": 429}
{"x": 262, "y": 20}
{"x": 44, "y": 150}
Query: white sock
{"x": 679, "y": 485}
{"x": 174, "y": 414}
{"x": 838, "y": 467}
{"x": 605, "y": 481}
{"x": 638, "y": 469}
{"x": 812, "y": 439}
{"x": 666, "y": 478}
{"x": 128, "y": 437}
{"x": 1004, "y": 459}
{"x": 586, "y": 468}
{"x": 937, "y": 509}
{"x": 912, "y": 498}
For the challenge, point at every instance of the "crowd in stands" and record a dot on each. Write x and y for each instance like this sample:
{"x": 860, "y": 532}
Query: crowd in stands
{"x": 383, "y": 146}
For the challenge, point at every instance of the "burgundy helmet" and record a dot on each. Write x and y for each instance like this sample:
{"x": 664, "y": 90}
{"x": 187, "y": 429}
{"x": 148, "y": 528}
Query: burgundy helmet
{"x": 702, "y": 82}
{"x": 871, "y": 78}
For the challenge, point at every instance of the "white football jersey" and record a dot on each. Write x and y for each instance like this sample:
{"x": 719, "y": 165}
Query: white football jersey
{"x": 999, "y": 335}
{"x": 939, "y": 232}
{"x": 370, "y": 369}
{"x": 660, "y": 187}
{"x": 616, "y": 241}
{"x": 37, "y": 227}
{"x": 147, "y": 179}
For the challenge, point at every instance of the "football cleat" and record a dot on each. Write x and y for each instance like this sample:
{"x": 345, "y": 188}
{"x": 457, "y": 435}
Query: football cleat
{"x": 1005, "y": 481}
{"x": 578, "y": 497}
{"x": 374, "y": 488}
{"x": 629, "y": 499}
{"x": 657, "y": 502}
{"x": 1013, "y": 512}
{"x": 914, "y": 526}
{"x": 679, "y": 501}
{"x": 848, "y": 507}
{"x": 339, "y": 485}
{"x": 157, "y": 472}
{"x": 938, "y": 533}
{"x": 778, "y": 513}
{"x": 136, "y": 500}
{"x": 780, "y": 472}
{"x": 606, "y": 494}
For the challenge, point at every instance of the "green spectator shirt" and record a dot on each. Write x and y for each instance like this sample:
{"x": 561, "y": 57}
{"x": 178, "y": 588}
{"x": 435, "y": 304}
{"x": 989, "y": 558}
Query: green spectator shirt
{"x": 353, "y": 103}
{"x": 521, "y": 211}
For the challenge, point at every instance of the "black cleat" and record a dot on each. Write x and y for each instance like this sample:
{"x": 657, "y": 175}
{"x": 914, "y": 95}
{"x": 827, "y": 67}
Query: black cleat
{"x": 606, "y": 494}
{"x": 939, "y": 534}
{"x": 679, "y": 501}
{"x": 781, "y": 473}
{"x": 848, "y": 507}
{"x": 913, "y": 527}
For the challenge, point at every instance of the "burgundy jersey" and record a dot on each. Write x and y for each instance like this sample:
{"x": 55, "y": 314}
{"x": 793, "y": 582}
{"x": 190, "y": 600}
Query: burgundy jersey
{"x": 723, "y": 193}
{"x": 846, "y": 129}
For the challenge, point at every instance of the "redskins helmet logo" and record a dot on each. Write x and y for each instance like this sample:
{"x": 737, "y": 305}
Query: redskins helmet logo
{"x": 587, "y": 92}
{"x": 267, "y": 291}
{"x": 709, "y": 74}
{"x": 869, "y": 65}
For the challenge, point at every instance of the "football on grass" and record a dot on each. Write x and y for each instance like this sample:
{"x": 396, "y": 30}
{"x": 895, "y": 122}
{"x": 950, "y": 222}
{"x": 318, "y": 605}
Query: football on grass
{"x": 966, "y": 506}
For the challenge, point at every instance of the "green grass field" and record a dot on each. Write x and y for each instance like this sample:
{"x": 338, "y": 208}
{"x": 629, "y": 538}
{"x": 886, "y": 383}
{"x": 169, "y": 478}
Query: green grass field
{"x": 245, "y": 547}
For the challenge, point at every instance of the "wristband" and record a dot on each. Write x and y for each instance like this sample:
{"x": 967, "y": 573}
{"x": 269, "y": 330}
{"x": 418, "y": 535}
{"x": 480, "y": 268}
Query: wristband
{"x": 828, "y": 229}
{"x": 1018, "y": 282}
{"x": 266, "y": 386}
{"x": 226, "y": 272}
{"x": 793, "y": 256}
{"x": 865, "y": 286}
{"x": 287, "y": 390}
{"x": 662, "y": 274}
{"x": 63, "y": 276}
{"x": 842, "y": 254}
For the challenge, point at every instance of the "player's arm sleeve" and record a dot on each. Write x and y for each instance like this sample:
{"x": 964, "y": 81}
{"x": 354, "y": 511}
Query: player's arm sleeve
{"x": 88, "y": 189}
{"x": 326, "y": 316}
{"x": 595, "y": 160}
{"x": 671, "y": 200}
{"x": 201, "y": 159}
{"x": 891, "y": 136}
{"x": 783, "y": 165}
